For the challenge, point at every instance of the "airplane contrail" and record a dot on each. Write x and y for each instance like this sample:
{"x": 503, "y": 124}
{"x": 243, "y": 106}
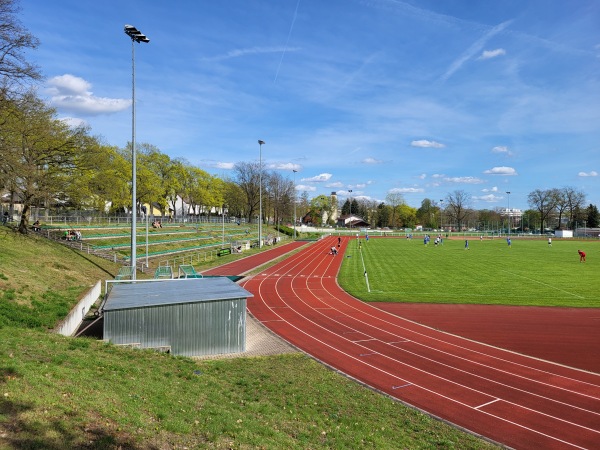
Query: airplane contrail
{"x": 287, "y": 41}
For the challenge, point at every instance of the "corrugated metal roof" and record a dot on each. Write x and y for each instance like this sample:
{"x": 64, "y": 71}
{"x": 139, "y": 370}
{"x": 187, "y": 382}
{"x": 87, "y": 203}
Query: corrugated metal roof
{"x": 190, "y": 290}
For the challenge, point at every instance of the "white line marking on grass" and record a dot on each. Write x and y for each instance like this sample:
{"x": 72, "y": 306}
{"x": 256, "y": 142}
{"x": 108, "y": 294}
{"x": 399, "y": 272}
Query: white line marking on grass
{"x": 544, "y": 284}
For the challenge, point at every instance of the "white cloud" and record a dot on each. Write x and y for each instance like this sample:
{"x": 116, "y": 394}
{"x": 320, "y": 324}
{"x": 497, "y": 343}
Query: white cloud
{"x": 318, "y": 179}
{"x": 490, "y": 198}
{"x": 501, "y": 171}
{"x": 466, "y": 180}
{"x": 71, "y": 93}
{"x": 304, "y": 187}
{"x": 409, "y": 190}
{"x": 337, "y": 184}
{"x": 74, "y": 122}
{"x": 494, "y": 189}
{"x": 225, "y": 165}
{"x": 593, "y": 173}
{"x": 502, "y": 149}
{"x": 424, "y": 143}
{"x": 438, "y": 175}
{"x": 488, "y": 54}
{"x": 236, "y": 53}
{"x": 423, "y": 176}
{"x": 285, "y": 166}
{"x": 372, "y": 161}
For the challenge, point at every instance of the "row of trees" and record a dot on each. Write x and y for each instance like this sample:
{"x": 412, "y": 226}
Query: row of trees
{"x": 46, "y": 163}
{"x": 551, "y": 208}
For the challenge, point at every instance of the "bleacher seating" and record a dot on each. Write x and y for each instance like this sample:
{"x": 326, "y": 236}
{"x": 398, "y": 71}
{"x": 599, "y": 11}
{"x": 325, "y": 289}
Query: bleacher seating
{"x": 188, "y": 271}
{"x": 163, "y": 272}
{"x": 125, "y": 273}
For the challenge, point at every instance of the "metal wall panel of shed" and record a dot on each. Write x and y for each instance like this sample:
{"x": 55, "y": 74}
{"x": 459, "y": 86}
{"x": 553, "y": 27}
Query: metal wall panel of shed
{"x": 188, "y": 329}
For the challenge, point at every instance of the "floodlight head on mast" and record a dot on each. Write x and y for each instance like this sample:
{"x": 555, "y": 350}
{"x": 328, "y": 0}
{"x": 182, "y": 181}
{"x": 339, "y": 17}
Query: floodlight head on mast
{"x": 260, "y": 142}
{"x": 135, "y": 34}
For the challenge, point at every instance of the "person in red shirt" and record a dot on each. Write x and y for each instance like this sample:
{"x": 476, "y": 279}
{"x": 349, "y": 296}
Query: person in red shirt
{"x": 581, "y": 255}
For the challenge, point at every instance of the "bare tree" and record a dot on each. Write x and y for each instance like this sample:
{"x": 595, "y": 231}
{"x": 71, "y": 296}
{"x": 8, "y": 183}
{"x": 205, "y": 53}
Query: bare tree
{"x": 14, "y": 40}
{"x": 573, "y": 200}
{"x": 544, "y": 202}
{"x": 458, "y": 207}
{"x": 247, "y": 175}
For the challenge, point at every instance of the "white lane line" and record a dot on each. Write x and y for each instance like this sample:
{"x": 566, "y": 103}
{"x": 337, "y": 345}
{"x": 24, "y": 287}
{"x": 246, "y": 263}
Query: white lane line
{"x": 488, "y": 403}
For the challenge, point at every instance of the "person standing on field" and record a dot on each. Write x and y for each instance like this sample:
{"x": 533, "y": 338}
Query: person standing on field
{"x": 549, "y": 242}
{"x": 581, "y": 255}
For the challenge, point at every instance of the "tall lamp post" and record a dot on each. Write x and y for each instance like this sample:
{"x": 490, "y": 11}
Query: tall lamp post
{"x": 295, "y": 172}
{"x": 442, "y": 215}
{"x": 508, "y": 211}
{"x": 350, "y": 207}
{"x": 260, "y": 144}
{"x": 136, "y": 36}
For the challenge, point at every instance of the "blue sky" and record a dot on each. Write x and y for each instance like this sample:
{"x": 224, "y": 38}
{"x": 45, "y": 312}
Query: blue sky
{"x": 370, "y": 96}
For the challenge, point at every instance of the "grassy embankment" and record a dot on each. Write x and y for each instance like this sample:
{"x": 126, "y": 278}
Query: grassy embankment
{"x": 58, "y": 392}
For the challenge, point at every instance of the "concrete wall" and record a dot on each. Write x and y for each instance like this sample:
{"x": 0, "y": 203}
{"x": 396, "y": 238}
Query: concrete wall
{"x": 70, "y": 323}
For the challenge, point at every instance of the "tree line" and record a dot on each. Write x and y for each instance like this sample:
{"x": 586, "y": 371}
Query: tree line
{"x": 45, "y": 163}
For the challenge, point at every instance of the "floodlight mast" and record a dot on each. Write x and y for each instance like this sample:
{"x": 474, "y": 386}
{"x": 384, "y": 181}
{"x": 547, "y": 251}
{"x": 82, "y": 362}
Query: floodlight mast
{"x": 260, "y": 144}
{"x": 136, "y": 36}
{"x": 295, "y": 171}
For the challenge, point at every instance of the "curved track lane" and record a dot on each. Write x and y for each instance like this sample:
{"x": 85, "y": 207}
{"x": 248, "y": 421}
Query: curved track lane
{"x": 513, "y": 399}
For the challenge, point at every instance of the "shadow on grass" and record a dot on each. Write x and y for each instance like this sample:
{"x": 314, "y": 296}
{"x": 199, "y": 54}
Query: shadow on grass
{"x": 57, "y": 434}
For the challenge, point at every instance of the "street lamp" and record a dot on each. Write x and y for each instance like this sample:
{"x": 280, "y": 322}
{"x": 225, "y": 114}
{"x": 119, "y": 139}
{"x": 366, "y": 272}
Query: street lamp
{"x": 136, "y": 36}
{"x": 350, "y": 207}
{"x": 508, "y": 211}
{"x": 260, "y": 144}
{"x": 295, "y": 171}
{"x": 442, "y": 215}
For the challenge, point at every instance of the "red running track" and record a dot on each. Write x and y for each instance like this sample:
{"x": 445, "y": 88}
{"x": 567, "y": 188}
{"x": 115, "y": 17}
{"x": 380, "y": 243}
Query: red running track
{"x": 512, "y": 399}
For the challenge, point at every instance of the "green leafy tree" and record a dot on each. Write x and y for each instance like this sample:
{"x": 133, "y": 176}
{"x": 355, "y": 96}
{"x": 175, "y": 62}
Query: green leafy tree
{"x": 320, "y": 207}
{"x": 394, "y": 200}
{"x": 234, "y": 198}
{"x": 384, "y": 213}
{"x": 40, "y": 155}
{"x": 593, "y": 216}
{"x": 407, "y": 215}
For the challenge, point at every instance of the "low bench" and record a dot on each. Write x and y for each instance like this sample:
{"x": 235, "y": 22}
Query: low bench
{"x": 224, "y": 251}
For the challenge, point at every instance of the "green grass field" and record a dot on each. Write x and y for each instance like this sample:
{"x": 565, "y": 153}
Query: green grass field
{"x": 490, "y": 272}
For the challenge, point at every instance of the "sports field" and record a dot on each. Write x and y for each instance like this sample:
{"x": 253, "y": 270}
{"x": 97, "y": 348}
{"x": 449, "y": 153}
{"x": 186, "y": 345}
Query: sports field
{"x": 529, "y": 272}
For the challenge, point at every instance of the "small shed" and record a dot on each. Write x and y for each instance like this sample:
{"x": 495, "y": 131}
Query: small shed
{"x": 187, "y": 317}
